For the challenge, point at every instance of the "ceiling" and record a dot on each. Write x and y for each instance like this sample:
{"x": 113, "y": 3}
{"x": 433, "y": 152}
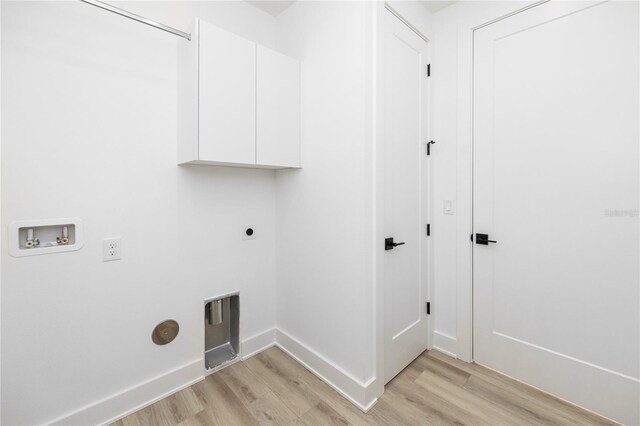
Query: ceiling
{"x": 273, "y": 8}
{"x": 276, "y": 7}
{"x": 435, "y": 5}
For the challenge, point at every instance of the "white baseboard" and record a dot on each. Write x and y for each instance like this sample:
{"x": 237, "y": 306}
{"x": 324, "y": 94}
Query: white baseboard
{"x": 258, "y": 343}
{"x": 119, "y": 405}
{"x": 446, "y": 344}
{"x": 135, "y": 398}
{"x": 360, "y": 394}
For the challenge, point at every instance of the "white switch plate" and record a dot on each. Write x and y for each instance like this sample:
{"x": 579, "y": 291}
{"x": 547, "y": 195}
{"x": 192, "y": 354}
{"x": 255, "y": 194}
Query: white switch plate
{"x": 111, "y": 249}
{"x": 245, "y": 236}
{"x": 449, "y": 207}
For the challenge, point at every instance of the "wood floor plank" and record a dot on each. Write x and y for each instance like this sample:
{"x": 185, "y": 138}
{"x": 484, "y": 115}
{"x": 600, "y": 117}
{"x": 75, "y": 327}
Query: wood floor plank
{"x": 256, "y": 396}
{"x": 269, "y": 409}
{"x": 182, "y": 405}
{"x": 271, "y": 388}
{"x": 247, "y": 386}
{"x": 222, "y": 403}
{"x": 287, "y": 386}
{"x": 152, "y": 415}
{"x": 455, "y": 393}
{"x": 447, "y": 371}
{"x": 322, "y": 414}
{"x": 519, "y": 406}
{"x": 168, "y": 411}
{"x": 426, "y": 405}
{"x": 203, "y": 418}
{"x": 386, "y": 413}
{"x": 565, "y": 412}
{"x": 340, "y": 404}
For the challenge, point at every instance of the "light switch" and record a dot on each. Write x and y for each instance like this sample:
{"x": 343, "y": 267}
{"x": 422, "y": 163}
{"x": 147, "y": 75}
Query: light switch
{"x": 449, "y": 207}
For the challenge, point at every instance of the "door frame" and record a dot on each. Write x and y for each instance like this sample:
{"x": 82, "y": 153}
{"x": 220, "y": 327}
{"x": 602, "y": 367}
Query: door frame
{"x": 464, "y": 162}
{"x": 378, "y": 196}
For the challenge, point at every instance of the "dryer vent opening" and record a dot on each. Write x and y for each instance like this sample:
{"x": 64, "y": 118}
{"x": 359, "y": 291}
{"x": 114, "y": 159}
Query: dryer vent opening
{"x": 221, "y": 331}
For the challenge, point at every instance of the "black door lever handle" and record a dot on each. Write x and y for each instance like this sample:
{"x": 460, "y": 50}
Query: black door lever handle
{"x": 483, "y": 239}
{"x": 390, "y": 245}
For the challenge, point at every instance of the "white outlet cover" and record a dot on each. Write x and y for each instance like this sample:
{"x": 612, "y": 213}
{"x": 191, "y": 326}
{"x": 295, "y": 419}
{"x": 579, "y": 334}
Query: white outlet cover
{"x": 249, "y": 237}
{"x": 111, "y": 249}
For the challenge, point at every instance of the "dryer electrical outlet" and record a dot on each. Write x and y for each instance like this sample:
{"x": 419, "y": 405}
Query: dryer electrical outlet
{"x": 249, "y": 232}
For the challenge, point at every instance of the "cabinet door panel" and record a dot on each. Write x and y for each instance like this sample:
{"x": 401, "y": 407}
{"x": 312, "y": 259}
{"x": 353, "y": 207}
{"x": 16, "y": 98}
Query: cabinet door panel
{"x": 278, "y": 112}
{"x": 227, "y": 97}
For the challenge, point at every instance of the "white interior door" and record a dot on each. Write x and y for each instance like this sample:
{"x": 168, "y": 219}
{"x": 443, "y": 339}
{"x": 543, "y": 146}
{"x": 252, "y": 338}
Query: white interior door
{"x": 556, "y": 299}
{"x": 405, "y": 95}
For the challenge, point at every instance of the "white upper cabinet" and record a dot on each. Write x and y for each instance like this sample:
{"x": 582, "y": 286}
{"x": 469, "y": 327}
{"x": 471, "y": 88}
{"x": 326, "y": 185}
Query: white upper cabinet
{"x": 227, "y": 112}
{"x": 278, "y": 112}
{"x": 238, "y": 102}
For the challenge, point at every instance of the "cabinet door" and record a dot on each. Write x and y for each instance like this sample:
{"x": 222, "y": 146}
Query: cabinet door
{"x": 278, "y": 112}
{"x": 227, "y": 97}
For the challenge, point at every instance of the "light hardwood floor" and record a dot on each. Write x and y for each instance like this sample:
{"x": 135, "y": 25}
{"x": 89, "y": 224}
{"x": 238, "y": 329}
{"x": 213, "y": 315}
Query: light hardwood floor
{"x": 272, "y": 388}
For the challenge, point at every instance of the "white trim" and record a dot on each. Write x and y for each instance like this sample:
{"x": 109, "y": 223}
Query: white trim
{"x": 121, "y": 404}
{"x": 406, "y": 22}
{"x": 500, "y": 18}
{"x": 135, "y": 398}
{"x": 377, "y": 66}
{"x": 567, "y": 357}
{"x": 555, "y": 396}
{"x": 445, "y": 343}
{"x": 344, "y": 383}
{"x": 258, "y": 343}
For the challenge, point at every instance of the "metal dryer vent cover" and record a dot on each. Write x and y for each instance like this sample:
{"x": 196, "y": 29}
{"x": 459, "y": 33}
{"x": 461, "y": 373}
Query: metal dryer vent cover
{"x": 165, "y": 332}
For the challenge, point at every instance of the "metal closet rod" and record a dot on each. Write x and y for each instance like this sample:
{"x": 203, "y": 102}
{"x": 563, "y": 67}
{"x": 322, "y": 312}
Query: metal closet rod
{"x": 138, "y": 18}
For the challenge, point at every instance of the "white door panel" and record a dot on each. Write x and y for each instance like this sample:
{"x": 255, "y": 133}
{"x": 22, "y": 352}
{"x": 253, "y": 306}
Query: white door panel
{"x": 557, "y": 300}
{"x": 406, "y": 330}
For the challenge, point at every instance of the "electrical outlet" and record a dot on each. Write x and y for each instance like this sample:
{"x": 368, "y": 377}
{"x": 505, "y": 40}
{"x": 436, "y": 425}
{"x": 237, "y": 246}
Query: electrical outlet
{"x": 111, "y": 249}
{"x": 249, "y": 232}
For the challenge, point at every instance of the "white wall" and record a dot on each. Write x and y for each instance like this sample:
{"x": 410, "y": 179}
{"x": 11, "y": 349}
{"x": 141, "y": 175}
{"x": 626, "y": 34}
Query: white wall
{"x": 89, "y": 130}
{"x": 328, "y": 212}
{"x": 324, "y": 223}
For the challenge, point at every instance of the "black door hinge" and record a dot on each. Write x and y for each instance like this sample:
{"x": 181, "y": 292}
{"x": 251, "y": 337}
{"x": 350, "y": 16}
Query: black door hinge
{"x": 428, "y": 229}
{"x": 429, "y": 147}
{"x": 428, "y": 308}
{"x": 428, "y": 70}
